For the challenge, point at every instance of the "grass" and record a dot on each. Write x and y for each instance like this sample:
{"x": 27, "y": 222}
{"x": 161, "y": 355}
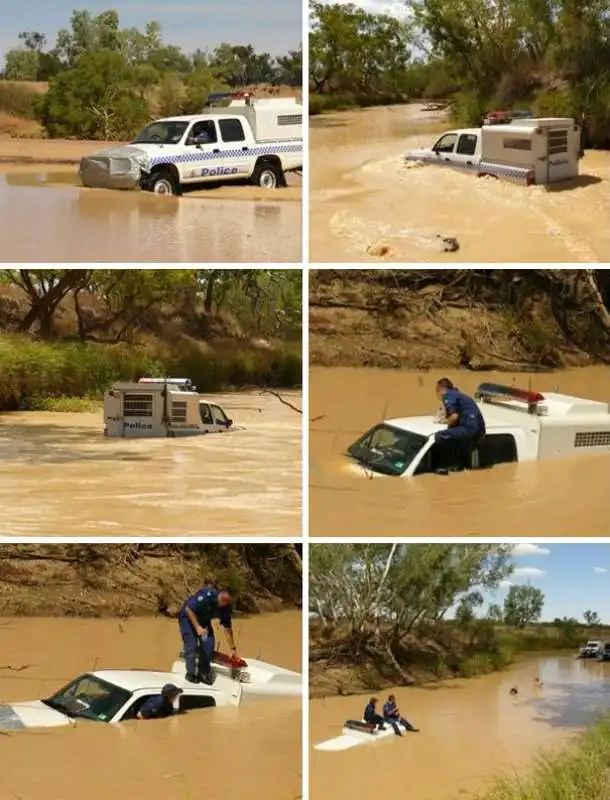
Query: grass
{"x": 579, "y": 773}
{"x": 60, "y": 376}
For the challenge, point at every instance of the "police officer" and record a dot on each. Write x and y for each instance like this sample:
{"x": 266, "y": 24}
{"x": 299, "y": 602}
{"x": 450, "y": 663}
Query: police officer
{"x": 371, "y": 716}
{"x": 195, "y": 620}
{"x": 465, "y": 423}
{"x": 162, "y": 705}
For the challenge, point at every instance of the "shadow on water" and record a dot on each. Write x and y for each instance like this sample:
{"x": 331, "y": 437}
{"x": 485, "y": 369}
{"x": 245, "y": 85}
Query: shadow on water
{"x": 580, "y": 182}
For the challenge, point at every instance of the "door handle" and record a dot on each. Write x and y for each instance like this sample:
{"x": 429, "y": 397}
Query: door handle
{"x": 447, "y": 160}
{"x": 245, "y": 148}
{"x": 216, "y": 150}
{"x": 469, "y": 163}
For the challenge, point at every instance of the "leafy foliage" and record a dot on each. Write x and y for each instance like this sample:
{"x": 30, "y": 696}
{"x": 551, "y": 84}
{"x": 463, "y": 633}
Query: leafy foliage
{"x": 523, "y": 605}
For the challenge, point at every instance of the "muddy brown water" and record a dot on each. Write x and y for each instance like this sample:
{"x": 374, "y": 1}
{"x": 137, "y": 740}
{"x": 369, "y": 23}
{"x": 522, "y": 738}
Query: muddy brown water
{"x": 471, "y": 731}
{"x": 60, "y": 476}
{"x": 560, "y": 497}
{"x": 252, "y": 751}
{"x": 74, "y": 224}
{"x": 364, "y": 200}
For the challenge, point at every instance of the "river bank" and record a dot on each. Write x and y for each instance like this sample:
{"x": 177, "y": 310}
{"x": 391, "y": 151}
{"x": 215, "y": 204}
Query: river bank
{"x": 341, "y": 664}
{"x": 476, "y": 729}
{"x": 479, "y": 320}
{"x": 33, "y": 372}
{"x": 580, "y": 771}
{"x": 112, "y": 580}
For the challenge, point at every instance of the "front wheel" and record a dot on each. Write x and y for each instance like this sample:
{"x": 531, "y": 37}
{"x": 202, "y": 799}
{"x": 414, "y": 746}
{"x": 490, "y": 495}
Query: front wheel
{"x": 163, "y": 183}
{"x": 268, "y": 175}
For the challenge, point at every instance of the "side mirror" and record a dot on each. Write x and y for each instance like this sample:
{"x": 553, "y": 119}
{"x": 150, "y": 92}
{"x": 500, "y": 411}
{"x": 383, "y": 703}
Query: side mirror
{"x": 229, "y": 422}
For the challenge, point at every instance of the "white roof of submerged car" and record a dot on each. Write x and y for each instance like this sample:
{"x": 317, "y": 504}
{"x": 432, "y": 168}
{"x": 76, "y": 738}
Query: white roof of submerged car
{"x": 562, "y": 409}
{"x": 134, "y": 680}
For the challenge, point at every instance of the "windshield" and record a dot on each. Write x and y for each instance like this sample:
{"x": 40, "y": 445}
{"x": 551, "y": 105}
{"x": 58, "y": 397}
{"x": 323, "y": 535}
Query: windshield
{"x": 89, "y": 697}
{"x": 162, "y": 133}
{"x": 386, "y": 449}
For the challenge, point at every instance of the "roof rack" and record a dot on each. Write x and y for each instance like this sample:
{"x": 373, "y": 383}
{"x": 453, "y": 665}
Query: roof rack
{"x": 488, "y": 392}
{"x": 215, "y": 97}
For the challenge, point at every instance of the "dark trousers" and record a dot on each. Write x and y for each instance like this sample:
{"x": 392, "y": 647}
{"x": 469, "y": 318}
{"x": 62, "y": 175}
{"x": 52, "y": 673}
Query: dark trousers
{"x": 458, "y": 443}
{"x": 394, "y": 721}
{"x": 197, "y": 652}
{"x": 375, "y": 719}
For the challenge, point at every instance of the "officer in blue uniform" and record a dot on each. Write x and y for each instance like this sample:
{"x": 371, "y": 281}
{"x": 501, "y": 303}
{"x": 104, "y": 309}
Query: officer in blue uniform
{"x": 391, "y": 714}
{"x": 162, "y": 705}
{"x": 195, "y": 620}
{"x": 465, "y": 423}
{"x": 371, "y": 716}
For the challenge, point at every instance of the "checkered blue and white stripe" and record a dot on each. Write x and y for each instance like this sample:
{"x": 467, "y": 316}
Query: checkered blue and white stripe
{"x": 518, "y": 174}
{"x": 201, "y": 155}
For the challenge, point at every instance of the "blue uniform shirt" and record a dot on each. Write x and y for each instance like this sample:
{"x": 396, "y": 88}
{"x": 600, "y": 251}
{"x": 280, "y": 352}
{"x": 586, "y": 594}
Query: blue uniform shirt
{"x": 205, "y": 606}
{"x": 370, "y": 713}
{"x": 157, "y": 708}
{"x": 389, "y": 709}
{"x": 456, "y": 402}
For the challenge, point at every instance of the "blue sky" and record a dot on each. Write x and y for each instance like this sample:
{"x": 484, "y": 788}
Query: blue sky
{"x": 272, "y": 26}
{"x": 573, "y": 577}
{"x": 395, "y": 8}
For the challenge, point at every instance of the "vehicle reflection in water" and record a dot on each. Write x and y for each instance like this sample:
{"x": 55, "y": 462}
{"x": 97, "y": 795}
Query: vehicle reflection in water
{"x": 76, "y": 224}
{"x": 59, "y": 475}
{"x": 474, "y": 729}
{"x": 252, "y": 751}
{"x": 541, "y": 497}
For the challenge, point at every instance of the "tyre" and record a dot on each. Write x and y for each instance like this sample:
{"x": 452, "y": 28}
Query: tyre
{"x": 163, "y": 182}
{"x": 268, "y": 175}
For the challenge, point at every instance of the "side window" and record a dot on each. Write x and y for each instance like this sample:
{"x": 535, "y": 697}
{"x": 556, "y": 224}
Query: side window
{"x": 497, "y": 448}
{"x": 203, "y": 132}
{"x": 446, "y": 143}
{"x": 467, "y": 144}
{"x": 194, "y": 702}
{"x": 220, "y": 418}
{"x": 436, "y": 458}
{"x": 206, "y": 413}
{"x": 133, "y": 709}
{"x": 231, "y": 130}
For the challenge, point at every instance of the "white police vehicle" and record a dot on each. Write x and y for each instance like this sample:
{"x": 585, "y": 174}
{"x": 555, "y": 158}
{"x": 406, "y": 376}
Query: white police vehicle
{"x": 256, "y": 140}
{"x": 112, "y": 696}
{"x": 521, "y": 425}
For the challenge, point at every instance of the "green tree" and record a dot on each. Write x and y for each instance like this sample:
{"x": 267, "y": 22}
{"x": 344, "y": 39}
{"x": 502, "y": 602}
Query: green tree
{"x": 495, "y": 613}
{"x": 523, "y": 605}
{"x": 465, "y": 611}
{"x": 21, "y": 65}
{"x": 94, "y": 100}
{"x": 591, "y": 618}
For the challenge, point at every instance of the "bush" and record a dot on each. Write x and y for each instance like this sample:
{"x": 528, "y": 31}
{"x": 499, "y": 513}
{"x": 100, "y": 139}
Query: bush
{"x": 20, "y": 101}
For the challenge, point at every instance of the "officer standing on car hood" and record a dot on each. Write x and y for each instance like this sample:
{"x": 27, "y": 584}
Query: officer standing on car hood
{"x": 195, "y": 621}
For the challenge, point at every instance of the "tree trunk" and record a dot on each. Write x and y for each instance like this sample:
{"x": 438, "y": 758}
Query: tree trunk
{"x": 44, "y": 308}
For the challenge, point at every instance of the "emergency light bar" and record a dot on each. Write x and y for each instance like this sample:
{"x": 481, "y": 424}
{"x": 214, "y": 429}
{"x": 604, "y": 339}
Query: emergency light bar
{"x": 170, "y": 381}
{"x": 216, "y": 96}
{"x": 229, "y": 661}
{"x": 495, "y": 391}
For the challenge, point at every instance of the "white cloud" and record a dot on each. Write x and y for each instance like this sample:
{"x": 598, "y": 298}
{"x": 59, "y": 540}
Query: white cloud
{"x": 506, "y": 584}
{"x": 601, "y": 570}
{"x": 530, "y": 550}
{"x": 529, "y": 572}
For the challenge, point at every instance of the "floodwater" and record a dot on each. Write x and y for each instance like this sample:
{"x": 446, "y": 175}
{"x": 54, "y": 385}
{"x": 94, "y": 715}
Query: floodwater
{"x": 253, "y": 751}
{"x": 367, "y": 205}
{"x": 560, "y": 497}
{"x": 74, "y": 224}
{"x": 60, "y": 476}
{"x": 470, "y": 731}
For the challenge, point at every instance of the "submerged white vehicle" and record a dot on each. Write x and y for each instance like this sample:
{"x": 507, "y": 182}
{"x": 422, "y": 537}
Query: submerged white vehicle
{"x": 117, "y": 695}
{"x": 530, "y": 151}
{"x": 591, "y": 649}
{"x": 356, "y": 733}
{"x": 257, "y": 140}
{"x": 160, "y": 407}
{"x": 520, "y": 426}
{"x": 112, "y": 696}
{"x": 255, "y": 677}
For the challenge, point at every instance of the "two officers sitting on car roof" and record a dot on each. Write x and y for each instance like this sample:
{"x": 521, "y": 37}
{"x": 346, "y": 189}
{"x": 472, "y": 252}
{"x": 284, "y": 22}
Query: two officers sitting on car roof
{"x": 195, "y": 621}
